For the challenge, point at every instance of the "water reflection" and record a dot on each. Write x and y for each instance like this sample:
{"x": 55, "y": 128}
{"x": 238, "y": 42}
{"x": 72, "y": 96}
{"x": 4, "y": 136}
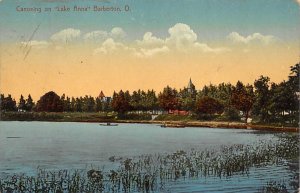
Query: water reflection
{"x": 56, "y": 146}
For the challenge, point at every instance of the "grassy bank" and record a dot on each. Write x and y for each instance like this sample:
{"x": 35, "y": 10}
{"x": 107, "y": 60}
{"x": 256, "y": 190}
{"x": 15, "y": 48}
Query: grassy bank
{"x": 186, "y": 120}
{"x": 58, "y": 117}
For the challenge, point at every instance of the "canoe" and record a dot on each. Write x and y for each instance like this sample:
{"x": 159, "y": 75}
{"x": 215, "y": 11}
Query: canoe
{"x": 173, "y": 125}
{"x": 108, "y": 124}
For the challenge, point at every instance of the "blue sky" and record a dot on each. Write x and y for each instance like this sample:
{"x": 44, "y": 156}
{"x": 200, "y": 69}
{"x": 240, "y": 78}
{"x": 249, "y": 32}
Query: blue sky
{"x": 213, "y": 19}
{"x": 211, "y": 41}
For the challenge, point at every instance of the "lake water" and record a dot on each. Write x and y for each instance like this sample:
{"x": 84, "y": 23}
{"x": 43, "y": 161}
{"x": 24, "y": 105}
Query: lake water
{"x": 24, "y": 146}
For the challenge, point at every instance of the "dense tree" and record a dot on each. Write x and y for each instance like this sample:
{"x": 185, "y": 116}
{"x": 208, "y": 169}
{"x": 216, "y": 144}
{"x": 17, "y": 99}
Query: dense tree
{"x": 78, "y": 104}
{"x": 208, "y": 105}
{"x": 187, "y": 99}
{"x": 88, "y": 104}
{"x": 151, "y": 101}
{"x": 284, "y": 103}
{"x": 106, "y": 105}
{"x": 293, "y": 85}
{"x": 120, "y": 102}
{"x": 135, "y": 101}
{"x": 243, "y": 98}
{"x": 8, "y": 103}
{"x": 143, "y": 101}
{"x": 222, "y": 92}
{"x": 73, "y": 104}
{"x": 269, "y": 102}
{"x": 127, "y": 99}
{"x": 29, "y": 103}
{"x": 1, "y": 101}
{"x": 98, "y": 105}
{"x": 284, "y": 99}
{"x": 22, "y": 103}
{"x": 66, "y": 103}
{"x": 168, "y": 99}
{"x": 262, "y": 98}
{"x": 50, "y": 102}
{"x": 294, "y": 77}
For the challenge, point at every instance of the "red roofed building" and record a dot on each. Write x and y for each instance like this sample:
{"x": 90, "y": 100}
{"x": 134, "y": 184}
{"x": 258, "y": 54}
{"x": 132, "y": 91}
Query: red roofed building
{"x": 101, "y": 95}
{"x": 103, "y": 98}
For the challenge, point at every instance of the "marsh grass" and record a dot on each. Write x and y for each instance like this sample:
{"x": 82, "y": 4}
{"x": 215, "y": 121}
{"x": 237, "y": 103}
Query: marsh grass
{"x": 149, "y": 173}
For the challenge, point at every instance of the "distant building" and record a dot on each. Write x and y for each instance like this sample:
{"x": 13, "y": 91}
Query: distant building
{"x": 191, "y": 87}
{"x": 103, "y": 98}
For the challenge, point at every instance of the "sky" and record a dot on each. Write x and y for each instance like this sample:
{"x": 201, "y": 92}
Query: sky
{"x": 148, "y": 44}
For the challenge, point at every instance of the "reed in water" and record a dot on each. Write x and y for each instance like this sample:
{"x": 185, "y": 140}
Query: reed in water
{"x": 148, "y": 173}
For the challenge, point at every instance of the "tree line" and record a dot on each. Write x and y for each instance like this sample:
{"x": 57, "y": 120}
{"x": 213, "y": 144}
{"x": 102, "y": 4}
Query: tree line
{"x": 265, "y": 101}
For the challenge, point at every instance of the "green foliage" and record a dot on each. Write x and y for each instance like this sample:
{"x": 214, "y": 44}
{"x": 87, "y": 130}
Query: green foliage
{"x": 88, "y": 104}
{"x": 98, "y": 105}
{"x": 278, "y": 103}
{"x": 208, "y": 105}
{"x": 7, "y": 103}
{"x": 50, "y": 102}
{"x": 230, "y": 114}
{"x": 121, "y": 102}
{"x": 58, "y": 116}
{"x": 134, "y": 116}
{"x": 262, "y": 99}
{"x": 168, "y": 99}
{"x": 29, "y": 103}
{"x": 66, "y": 103}
{"x": 22, "y": 103}
{"x": 266, "y": 102}
{"x": 31, "y": 116}
{"x": 169, "y": 117}
{"x": 144, "y": 101}
{"x": 187, "y": 99}
{"x": 242, "y": 98}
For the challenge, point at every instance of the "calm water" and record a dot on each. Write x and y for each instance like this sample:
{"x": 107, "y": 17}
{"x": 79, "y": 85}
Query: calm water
{"x": 26, "y": 145}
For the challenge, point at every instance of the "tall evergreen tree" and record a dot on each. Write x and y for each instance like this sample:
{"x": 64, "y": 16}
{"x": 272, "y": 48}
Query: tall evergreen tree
{"x": 29, "y": 103}
{"x": 120, "y": 102}
{"x": 262, "y": 98}
{"x": 22, "y": 103}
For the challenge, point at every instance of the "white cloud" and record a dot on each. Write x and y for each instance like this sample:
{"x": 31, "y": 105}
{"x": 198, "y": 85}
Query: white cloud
{"x": 181, "y": 36}
{"x": 253, "y": 38}
{"x": 110, "y": 46}
{"x": 36, "y": 44}
{"x": 207, "y": 49}
{"x": 152, "y": 52}
{"x": 100, "y": 36}
{"x": 96, "y": 36}
{"x": 66, "y": 35}
{"x": 117, "y": 33}
{"x": 150, "y": 41}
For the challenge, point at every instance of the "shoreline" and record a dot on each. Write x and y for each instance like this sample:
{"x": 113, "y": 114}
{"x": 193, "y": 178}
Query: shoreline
{"x": 215, "y": 124}
{"x": 199, "y": 124}
{"x": 111, "y": 117}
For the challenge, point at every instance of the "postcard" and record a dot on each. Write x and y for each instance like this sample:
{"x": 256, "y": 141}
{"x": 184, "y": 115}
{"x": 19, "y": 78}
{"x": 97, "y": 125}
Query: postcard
{"x": 149, "y": 96}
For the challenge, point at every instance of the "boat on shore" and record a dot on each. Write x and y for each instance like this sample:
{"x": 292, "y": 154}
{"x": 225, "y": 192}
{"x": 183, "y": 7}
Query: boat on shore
{"x": 108, "y": 124}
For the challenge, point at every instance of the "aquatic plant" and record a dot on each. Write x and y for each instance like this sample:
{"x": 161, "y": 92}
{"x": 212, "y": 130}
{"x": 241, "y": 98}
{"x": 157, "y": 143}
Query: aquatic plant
{"x": 148, "y": 173}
